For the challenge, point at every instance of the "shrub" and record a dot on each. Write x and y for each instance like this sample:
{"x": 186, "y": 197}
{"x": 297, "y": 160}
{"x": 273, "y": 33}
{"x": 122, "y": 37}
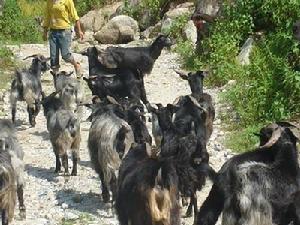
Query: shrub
{"x": 268, "y": 89}
{"x": 16, "y": 27}
{"x": 83, "y": 6}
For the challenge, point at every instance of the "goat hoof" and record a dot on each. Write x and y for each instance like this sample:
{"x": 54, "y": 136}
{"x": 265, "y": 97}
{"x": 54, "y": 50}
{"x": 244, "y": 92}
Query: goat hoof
{"x": 74, "y": 173}
{"x": 188, "y": 215}
{"x": 105, "y": 198}
{"x": 22, "y": 213}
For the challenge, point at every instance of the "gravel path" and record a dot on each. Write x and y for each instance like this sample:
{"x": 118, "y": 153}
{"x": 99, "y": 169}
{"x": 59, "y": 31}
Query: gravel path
{"x": 54, "y": 199}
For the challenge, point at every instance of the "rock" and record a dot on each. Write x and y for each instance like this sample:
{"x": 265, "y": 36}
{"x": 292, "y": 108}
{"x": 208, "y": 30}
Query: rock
{"x": 71, "y": 216}
{"x": 152, "y": 31}
{"x": 243, "y": 57}
{"x": 99, "y": 20}
{"x": 173, "y": 14}
{"x": 120, "y": 29}
{"x": 88, "y": 37}
{"x": 87, "y": 21}
{"x": 166, "y": 26}
{"x": 190, "y": 32}
{"x": 64, "y": 205}
{"x": 94, "y": 20}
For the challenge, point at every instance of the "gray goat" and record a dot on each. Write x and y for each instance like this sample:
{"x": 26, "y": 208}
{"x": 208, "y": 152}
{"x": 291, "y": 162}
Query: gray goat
{"x": 110, "y": 138}
{"x": 70, "y": 89}
{"x": 64, "y": 130}
{"x": 11, "y": 172}
{"x": 27, "y": 87}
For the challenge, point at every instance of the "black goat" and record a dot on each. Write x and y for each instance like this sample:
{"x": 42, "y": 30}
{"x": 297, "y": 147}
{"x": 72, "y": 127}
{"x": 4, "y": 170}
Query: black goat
{"x": 174, "y": 141}
{"x": 148, "y": 190}
{"x": 273, "y": 165}
{"x": 139, "y": 59}
{"x": 205, "y": 100}
{"x": 27, "y": 87}
{"x": 119, "y": 83}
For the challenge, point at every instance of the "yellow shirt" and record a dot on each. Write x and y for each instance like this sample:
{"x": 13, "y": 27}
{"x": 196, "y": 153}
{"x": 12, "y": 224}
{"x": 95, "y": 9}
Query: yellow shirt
{"x": 60, "y": 14}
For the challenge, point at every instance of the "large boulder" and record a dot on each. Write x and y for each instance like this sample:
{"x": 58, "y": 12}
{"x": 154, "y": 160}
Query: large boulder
{"x": 119, "y": 30}
{"x": 94, "y": 20}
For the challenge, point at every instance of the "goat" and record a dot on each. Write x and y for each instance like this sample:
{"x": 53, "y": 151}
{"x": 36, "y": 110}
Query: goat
{"x": 173, "y": 142}
{"x": 27, "y": 87}
{"x": 148, "y": 190}
{"x": 119, "y": 83}
{"x": 64, "y": 130}
{"x": 266, "y": 158}
{"x": 195, "y": 81}
{"x": 70, "y": 90}
{"x": 139, "y": 59}
{"x": 109, "y": 139}
{"x": 11, "y": 172}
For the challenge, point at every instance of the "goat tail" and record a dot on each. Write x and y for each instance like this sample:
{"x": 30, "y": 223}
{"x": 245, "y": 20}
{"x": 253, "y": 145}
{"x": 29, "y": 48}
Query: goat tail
{"x": 7, "y": 190}
{"x": 160, "y": 205}
{"x": 212, "y": 207}
{"x": 73, "y": 126}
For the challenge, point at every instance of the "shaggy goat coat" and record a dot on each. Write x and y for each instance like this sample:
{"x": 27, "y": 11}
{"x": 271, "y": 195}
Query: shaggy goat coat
{"x": 104, "y": 143}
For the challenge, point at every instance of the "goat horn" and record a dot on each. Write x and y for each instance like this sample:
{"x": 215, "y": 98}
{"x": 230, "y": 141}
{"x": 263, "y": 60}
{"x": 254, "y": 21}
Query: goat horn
{"x": 31, "y": 56}
{"x": 181, "y": 74}
{"x": 112, "y": 100}
{"x": 196, "y": 103}
{"x": 274, "y": 138}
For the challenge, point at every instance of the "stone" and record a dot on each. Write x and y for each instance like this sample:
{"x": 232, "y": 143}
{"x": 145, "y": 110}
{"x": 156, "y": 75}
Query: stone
{"x": 87, "y": 21}
{"x": 244, "y": 55}
{"x": 119, "y": 30}
{"x": 173, "y": 14}
{"x": 190, "y": 32}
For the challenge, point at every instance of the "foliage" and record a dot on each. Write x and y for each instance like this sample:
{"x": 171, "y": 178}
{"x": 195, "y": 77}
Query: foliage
{"x": 16, "y": 27}
{"x": 83, "y": 6}
{"x": 153, "y": 7}
{"x": 6, "y": 64}
{"x": 267, "y": 89}
{"x": 177, "y": 25}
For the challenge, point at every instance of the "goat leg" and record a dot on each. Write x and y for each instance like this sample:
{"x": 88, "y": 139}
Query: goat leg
{"x": 37, "y": 107}
{"x": 190, "y": 208}
{"x": 65, "y": 163}
{"x": 194, "y": 202}
{"x": 13, "y": 113}
{"x": 57, "y": 164}
{"x": 75, "y": 160}
{"x": 22, "y": 207}
{"x": 30, "y": 111}
{"x": 105, "y": 191}
{"x": 4, "y": 217}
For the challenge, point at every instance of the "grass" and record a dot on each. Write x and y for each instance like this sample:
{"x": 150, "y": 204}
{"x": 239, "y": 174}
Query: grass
{"x": 7, "y": 64}
{"x": 83, "y": 219}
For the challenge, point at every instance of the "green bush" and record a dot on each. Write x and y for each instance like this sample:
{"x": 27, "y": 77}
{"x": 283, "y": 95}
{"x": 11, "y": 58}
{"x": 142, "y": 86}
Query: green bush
{"x": 17, "y": 28}
{"x": 6, "y": 64}
{"x": 268, "y": 89}
{"x": 83, "y": 6}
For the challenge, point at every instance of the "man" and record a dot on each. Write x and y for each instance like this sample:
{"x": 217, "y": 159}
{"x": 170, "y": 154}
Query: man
{"x": 58, "y": 20}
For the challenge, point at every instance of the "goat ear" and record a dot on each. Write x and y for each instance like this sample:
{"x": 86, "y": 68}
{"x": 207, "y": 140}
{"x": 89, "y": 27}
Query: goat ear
{"x": 202, "y": 73}
{"x": 183, "y": 75}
